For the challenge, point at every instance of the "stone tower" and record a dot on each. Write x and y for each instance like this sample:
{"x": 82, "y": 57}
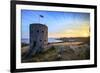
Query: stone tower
{"x": 38, "y": 37}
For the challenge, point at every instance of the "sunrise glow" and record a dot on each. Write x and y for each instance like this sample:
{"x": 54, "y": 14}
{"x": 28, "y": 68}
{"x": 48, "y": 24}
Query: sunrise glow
{"x": 79, "y": 31}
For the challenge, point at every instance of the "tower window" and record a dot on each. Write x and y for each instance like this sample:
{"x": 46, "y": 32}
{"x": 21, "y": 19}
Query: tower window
{"x": 40, "y": 40}
{"x": 37, "y": 30}
{"x": 42, "y": 31}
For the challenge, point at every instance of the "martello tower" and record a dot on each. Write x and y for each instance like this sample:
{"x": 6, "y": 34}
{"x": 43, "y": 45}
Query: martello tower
{"x": 38, "y": 37}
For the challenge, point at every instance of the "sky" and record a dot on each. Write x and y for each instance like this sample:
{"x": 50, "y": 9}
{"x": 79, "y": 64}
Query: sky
{"x": 60, "y": 24}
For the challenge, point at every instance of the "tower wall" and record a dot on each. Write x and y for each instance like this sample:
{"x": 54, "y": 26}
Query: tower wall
{"x": 38, "y": 37}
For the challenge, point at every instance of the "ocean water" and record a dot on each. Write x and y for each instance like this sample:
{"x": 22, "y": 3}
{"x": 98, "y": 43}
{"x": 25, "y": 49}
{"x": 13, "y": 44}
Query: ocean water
{"x": 50, "y": 40}
{"x": 25, "y": 41}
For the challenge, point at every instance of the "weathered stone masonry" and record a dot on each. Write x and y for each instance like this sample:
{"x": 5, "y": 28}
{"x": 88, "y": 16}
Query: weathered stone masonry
{"x": 38, "y": 37}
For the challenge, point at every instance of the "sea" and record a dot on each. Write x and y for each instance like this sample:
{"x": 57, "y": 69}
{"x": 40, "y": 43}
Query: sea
{"x": 50, "y": 40}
